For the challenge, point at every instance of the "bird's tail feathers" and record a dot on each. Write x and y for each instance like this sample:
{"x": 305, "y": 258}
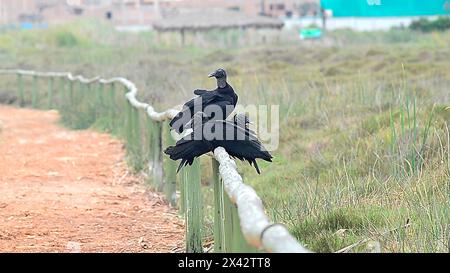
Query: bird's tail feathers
{"x": 182, "y": 164}
{"x": 256, "y": 166}
{"x": 181, "y": 151}
{"x": 260, "y": 151}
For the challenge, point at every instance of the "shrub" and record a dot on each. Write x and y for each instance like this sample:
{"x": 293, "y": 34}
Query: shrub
{"x": 425, "y": 25}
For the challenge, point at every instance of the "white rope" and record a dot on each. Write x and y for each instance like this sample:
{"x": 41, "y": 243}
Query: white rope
{"x": 255, "y": 225}
{"x": 130, "y": 86}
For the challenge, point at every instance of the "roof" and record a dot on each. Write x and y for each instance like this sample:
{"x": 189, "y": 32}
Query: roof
{"x": 195, "y": 20}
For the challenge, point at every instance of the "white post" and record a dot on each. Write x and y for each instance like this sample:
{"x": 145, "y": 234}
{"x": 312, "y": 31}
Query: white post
{"x": 157, "y": 10}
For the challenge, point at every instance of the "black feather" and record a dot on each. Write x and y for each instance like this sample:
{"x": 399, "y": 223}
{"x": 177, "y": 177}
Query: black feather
{"x": 248, "y": 149}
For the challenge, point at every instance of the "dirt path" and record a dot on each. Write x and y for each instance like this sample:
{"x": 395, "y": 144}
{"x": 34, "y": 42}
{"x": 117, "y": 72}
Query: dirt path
{"x": 69, "y": 191}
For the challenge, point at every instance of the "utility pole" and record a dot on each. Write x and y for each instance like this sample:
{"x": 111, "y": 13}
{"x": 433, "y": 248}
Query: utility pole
{"x": 141, "y": 19}
{"x": 157, "y": 10}
{"x": 2, "y": 19}
{"x": 263, "y": 7}
{"x": 124, "y": 19}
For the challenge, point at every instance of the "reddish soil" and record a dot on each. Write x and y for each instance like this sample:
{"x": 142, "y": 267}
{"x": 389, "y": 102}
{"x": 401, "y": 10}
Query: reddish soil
{"x": 70, "y": 191}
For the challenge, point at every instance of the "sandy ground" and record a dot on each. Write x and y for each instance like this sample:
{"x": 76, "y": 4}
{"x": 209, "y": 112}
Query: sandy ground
{"x": 70, "y": 191}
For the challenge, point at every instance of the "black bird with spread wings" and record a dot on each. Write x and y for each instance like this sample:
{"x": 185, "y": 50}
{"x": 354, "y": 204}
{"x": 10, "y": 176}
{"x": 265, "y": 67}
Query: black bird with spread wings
{"x": 234, "y": 136}
{"x": 221, "y": 102}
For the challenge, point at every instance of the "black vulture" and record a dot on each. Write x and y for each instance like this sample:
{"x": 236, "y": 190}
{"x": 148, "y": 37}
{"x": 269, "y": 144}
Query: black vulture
{"x": 217, "y": 104}
{"x": 234, "y": 136}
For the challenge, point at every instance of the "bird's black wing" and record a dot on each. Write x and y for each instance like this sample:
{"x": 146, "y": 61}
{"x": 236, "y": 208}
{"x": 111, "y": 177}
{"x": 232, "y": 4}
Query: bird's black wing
{"x": 200, "y": 92}
{"x": 187, "y": 150}
{"x": 248, "y": 149}
{"x": 200, "y": 102}
{"x": 204, "y": 98}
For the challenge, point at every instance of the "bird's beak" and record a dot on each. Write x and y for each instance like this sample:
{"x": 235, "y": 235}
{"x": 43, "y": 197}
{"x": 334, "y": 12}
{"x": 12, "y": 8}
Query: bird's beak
{"x": 212, "y": 75}
{"x": 447, "y": 108}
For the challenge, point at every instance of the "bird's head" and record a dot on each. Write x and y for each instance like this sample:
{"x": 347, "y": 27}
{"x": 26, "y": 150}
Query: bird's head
{"x": 219, "y": 74}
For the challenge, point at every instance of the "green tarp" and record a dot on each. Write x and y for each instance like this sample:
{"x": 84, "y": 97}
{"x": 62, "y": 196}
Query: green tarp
{"x": 310, "y": 33}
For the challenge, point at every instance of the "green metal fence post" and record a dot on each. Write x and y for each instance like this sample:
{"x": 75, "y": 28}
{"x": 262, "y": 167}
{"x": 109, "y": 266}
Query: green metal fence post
{"x": 194, "y": 212}
{"x": 99, "y": 101}
{"x": 128, "y": 124}
{"x": 125, "y": 118}
{"x": 91, "y": 101}
{"x": 149, "y": 149}
{"x": 34, "y": 92}
{"x": 137, "y": 151}
{"x": 79, "y": 97}
{"x": 62, "y": 101}
{"x": 157, "y": 172}
{"x": 20, "y": 85}
{"x": 154, "y": 154}
{"x": 233, "y": 239}
{"x": 112, "y": 108}
{"x": 50, "y": 93}
{"x": 182, "y": 201}
{"x": 218, "y": 208}
{"x": 170, "y": 170}
{"x": 133, "y": 135}
{"x": 71, "y": 94}
{"x": 227, "y": 223}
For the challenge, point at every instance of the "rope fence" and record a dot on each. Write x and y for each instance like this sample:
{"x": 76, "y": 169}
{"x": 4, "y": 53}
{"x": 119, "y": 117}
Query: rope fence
{"x": 240, "y": 222}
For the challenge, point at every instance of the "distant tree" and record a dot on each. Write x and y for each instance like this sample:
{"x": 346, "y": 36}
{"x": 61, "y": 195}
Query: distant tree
{"x": 425, "y": 25}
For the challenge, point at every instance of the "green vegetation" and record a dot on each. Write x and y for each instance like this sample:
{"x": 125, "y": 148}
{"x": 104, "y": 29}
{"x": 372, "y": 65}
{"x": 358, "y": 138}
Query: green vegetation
{"x": 364, "y": 137}
{"x": 425, "y": 25}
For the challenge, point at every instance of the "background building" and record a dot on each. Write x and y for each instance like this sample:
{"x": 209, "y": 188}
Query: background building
{"x": 386, "y": 8}
{"x": 355, "y": 14}
{"x": 140, "y": 12}
{"x": 380, "y": 14}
